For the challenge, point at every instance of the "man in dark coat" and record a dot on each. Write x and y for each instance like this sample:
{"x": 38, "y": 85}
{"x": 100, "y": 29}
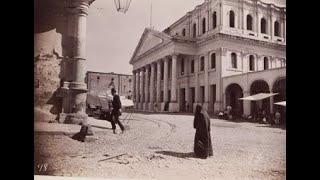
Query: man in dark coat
{"x": 115, "y": 112}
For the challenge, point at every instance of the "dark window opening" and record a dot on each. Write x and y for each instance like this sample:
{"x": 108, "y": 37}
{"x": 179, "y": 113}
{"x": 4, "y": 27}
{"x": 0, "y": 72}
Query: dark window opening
{"x": 182, "y": 66}
{"x": 183, "y": 32}
{"x": 251, "y": 63}
{"x": 265, "y": 63}
{"x": 231, "y": 19}
{"x": 276, "y": 28}
{"x": 203, "y": 25}
{"x": 214, "y": 20}
{"x": 263, "y": 26}
{"x": 194, "y": 30}
{"x": 192, "y": 66}
{"x": 234, "y": 60}
{"x": 202, "y": 64}
{"x": 249, "y": 22}
{"x": 213, "y": 60}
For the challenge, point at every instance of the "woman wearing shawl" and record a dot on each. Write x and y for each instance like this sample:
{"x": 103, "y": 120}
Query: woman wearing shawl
{"x": 202, "y": 140}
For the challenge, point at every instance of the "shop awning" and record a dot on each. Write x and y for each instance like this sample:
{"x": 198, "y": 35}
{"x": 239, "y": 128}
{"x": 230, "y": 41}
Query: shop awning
{"x": 282, "y": 103}
{"x": 258, "y": 97}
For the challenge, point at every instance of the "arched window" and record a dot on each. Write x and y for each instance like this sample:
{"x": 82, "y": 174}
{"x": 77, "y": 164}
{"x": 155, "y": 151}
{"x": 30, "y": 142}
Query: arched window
{"x": 263, "y": 26}
{"x": 265, "y": 63}
{"x": 183, "y": 32}
{"x": 231, "y": 19}
{"x": 276, "y": 28}
{"x": 213, "y": 60}
{"x": 249, "y": 22}
{"x": 202, "y": 63}
{"x": 214, "y": 20}
{"x": 203, "y": 25}
{"x": 234, "y": 60}
{"x": 251, "y": 63}
{"x": 194, "y": 30}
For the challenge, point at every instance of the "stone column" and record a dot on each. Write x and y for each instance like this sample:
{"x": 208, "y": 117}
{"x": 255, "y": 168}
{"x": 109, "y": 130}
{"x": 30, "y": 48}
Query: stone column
{"x": 246, "y": 104}
{"x": 158, "y": 90}
{"x": 174, "y": 105}
{"x": 206, "y": 82}
{"x": 141, "y": 89}
{"x": 134, "y": 86}
{"x": 196, "y": 75}
{"x": 137, "y": 89}
{"x": 165, "y": 82}
{"x": 77, "y": 88}
{"x": 188, "y": 86}
{"x": 146, "y": 89}
{"x": 152, "y": 79}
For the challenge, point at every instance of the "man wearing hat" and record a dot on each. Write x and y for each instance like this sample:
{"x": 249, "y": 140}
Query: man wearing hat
{"x": 115, "y": 112}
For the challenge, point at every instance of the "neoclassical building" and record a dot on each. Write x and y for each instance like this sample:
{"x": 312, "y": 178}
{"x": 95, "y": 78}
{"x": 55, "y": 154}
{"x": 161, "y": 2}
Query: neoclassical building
{"x": 215, "y": 54}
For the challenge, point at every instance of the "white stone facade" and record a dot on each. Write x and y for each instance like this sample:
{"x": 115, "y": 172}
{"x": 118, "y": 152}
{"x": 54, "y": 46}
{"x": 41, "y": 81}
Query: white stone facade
{"x": 224, "y": 50}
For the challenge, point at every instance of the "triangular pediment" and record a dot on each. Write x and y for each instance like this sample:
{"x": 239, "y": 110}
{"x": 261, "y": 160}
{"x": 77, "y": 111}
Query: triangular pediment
{"x": 150, "y": 39}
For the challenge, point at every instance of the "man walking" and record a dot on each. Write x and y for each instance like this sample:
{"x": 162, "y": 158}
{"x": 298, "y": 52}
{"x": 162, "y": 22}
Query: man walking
{"x": 115, "y": 112}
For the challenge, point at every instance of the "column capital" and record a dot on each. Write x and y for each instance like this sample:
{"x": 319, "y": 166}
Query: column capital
{"x": 166, "y": 58}
{"x": 79, "y": 7}
{"x": 175, "y": 54}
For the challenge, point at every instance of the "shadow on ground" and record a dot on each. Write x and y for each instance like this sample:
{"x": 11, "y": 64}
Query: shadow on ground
{"x": 177, "y": 154}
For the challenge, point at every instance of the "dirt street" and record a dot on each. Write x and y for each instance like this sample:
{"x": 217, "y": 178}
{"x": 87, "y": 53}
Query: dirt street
{"x": 160, "y": 146}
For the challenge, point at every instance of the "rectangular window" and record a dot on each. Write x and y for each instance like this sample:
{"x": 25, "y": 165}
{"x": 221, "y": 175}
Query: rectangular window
{"x": 202, "y": 93}
{"x": 213, "y": 61}
{"x": 192, "y": 66}
{"x": 182, "y": 66}
{"x": 202, "y": 64}
{"x": 193, "y": 97}
{"x": 213, "y": 93}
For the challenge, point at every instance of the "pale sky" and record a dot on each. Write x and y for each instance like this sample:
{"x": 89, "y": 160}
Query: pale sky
{"x": 112, "y": 36}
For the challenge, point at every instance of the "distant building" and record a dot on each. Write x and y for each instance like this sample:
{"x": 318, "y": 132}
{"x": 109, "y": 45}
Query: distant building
{"x": 101, "y": 83}
{"x": 215, "y": 54}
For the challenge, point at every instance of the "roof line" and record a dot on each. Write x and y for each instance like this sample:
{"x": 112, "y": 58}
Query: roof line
{"x": 108, "y": 73}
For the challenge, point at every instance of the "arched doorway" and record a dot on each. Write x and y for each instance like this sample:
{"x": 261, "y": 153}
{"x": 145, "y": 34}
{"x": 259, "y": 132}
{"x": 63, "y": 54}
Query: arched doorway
{"x": 233, "y": 93}
{"x": 260, "y": 86}
{"x": 280, "y": 87}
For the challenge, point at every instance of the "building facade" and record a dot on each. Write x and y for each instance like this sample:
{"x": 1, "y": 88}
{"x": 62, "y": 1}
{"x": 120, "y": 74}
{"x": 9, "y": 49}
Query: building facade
{"x": 100, "y": 83}
{"x": 217, "y": 53}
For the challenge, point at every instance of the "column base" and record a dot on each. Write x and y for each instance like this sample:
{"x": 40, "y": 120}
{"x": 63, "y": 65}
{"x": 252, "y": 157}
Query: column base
{"x": 73, "y": 118}
{"x": 211, "y": 109}
{"x": 218, "y": 107}
{"x": 145, "y": 106}
{"x": 174, "y": 107}
{"x": 151, "y": 106}
{"x": 164, "y": 107}
{"x": 140, "y": 106}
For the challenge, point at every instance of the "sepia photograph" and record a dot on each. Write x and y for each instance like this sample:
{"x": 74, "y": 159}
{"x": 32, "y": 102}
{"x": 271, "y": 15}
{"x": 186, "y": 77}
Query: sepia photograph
{"x": 159, "y": 89}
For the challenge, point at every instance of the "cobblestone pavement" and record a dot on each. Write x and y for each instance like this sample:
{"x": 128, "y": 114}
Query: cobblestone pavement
{"x": 160, "y": 146}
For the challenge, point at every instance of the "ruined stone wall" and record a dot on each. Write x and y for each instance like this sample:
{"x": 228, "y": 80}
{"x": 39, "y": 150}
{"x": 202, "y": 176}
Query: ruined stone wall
{"x": 50, "y": 26}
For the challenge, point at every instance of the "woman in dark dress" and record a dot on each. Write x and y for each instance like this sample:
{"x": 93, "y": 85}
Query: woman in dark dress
{"x": 202, "y": 140}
